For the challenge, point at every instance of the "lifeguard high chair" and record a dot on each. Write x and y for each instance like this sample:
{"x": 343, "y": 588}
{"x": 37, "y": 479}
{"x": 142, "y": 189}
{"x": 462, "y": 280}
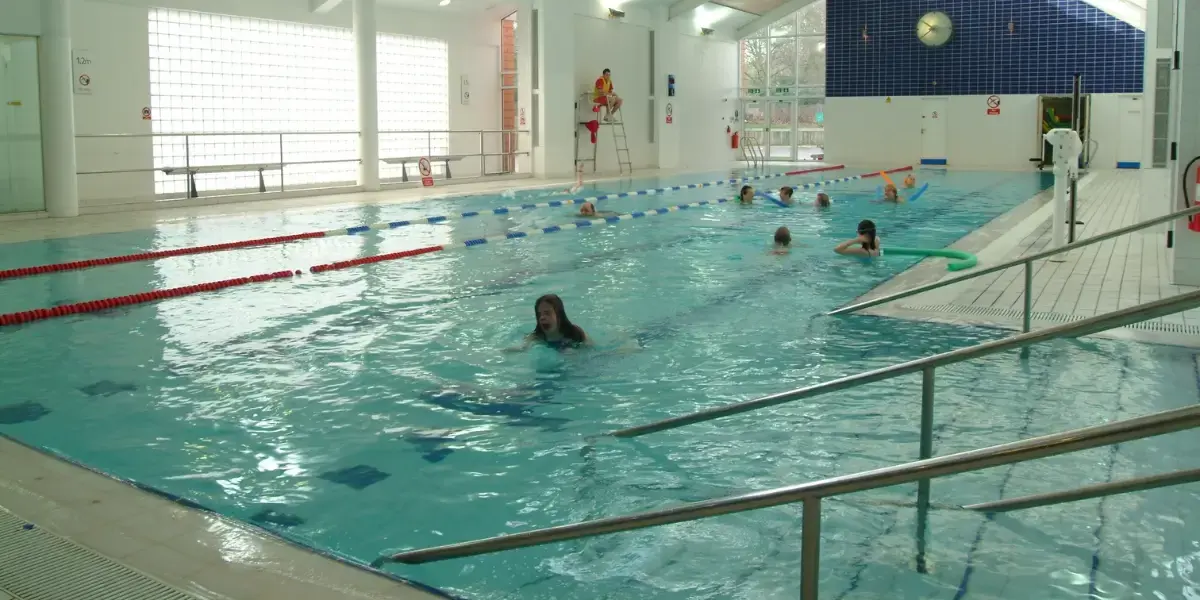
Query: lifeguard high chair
{"x": 587, "y": 111}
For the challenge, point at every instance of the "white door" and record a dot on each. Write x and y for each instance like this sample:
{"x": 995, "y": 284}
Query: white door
{"x": 1129, "y": 151}
{"x": 933, "y": 131}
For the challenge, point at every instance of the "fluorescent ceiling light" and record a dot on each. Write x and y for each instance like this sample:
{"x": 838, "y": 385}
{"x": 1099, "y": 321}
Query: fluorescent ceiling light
{"x": 443, "y": 2}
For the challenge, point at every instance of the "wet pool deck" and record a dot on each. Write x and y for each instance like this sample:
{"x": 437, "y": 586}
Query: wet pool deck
{"x": 1118, "y": 273}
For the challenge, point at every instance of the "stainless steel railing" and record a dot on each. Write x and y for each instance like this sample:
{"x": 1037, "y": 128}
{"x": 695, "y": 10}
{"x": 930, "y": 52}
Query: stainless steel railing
{"x": 1027, "y": 261}
{"x": 926, "y": 366}
{"x": 811, "y": 494}
{"x": 510, "y": 147}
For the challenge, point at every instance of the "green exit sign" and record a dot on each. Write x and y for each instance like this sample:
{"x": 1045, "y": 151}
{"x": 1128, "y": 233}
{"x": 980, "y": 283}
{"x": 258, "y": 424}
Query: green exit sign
{"x": 783, "y": 91}
{"x": 754, "y": 91}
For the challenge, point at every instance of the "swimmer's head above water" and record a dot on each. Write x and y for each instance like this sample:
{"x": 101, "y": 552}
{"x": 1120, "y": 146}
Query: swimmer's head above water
{"x": 785, "y": 194}
{"x": 866, "y": 234}
{"x": 891, "y": 194}
{"x": 746, "y": 196}
{"x": 823, "y": 200}
{"x": 910, "y": 181}
{"x": 783, "y": 237}
{"x": 587, "y": 209}
{"x": 552, "y": 323}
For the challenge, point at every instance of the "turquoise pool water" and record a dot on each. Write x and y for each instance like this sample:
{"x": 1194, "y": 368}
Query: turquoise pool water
{"x": 372, "y": 409}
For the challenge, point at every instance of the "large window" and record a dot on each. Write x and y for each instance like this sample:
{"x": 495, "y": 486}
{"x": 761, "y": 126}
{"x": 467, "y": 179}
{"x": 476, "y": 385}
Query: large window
{"x": 783, "y": 85}
{"x": 787, "y": 58}
{"x": 226, "y": 88}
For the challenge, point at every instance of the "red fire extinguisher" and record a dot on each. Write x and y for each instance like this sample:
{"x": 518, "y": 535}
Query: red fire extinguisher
{"x": 733, "y": 140}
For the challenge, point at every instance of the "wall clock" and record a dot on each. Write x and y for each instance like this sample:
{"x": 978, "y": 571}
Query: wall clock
{"x": 934, "y": 29}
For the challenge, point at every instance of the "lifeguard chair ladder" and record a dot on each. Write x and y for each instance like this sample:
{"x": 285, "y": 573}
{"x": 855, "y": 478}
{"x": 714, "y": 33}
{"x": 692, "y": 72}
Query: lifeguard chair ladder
{"x": 620, "y": 140}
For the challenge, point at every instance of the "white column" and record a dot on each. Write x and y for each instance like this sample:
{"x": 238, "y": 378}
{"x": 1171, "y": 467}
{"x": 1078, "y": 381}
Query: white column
{"x": 525, "y": 98}
{"x": 368, "y": 94}
{"x": 557, "y": 89}
{"x": 58, "y": 110}
{"x": 1185, "y": 133}
{"x": 666, "y": 62}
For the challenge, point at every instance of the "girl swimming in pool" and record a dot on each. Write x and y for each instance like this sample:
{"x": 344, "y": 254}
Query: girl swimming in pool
{"x": 910, "y": 181}
{"x": 747, "y": 195}
{"x": 867, "y": 242}
{"x": 553, "y": 327}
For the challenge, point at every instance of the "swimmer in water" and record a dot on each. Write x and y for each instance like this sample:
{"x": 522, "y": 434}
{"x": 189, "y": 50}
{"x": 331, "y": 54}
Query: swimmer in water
{"x": 553, "y": 327}
{"x": 866, "y": 244}
{"x": 891, "y": 194}
{"x": 578, "y": 181}
{"x": 747, "y": 195}
{"x": 785, "y": 194}
{"x": 910, "y": 181}
{"x": 587, "y": 209}
{"x": 823, "y": 200}
{"x": 783, "y": 241}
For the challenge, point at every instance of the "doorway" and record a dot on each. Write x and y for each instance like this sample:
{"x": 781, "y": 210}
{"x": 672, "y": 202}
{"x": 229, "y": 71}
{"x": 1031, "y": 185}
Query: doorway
{"x": 1129, "y": 115}
{"x": 21, "y": 186}
{"x": 787, "y": 130}
{"x": 933, "y": 131}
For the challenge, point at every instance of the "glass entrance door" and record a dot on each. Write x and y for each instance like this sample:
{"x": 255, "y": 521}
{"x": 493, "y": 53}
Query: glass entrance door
{"x": 20, "y": 126}
{"x": 782, "y": 131}
{"x": 754, "y": 123}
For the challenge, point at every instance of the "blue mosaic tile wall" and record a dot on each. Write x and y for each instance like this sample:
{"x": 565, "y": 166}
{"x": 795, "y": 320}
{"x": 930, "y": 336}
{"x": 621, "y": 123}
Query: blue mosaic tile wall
{"x": 1052, "y": 40}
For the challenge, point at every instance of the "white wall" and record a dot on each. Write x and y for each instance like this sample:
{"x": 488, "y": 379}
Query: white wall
{"x": 116, "y": 34}
{"x": 875, "y": 132}
{"x": 20, "y": 17}
{"x": 705, "y": 69}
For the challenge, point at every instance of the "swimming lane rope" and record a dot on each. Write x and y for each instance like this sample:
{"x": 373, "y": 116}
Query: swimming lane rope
{"x": 42, "y": 314}
{"x": 268, "y": 241}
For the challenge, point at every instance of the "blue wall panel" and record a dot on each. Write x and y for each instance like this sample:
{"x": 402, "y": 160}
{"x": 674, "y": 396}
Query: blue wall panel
{"x": 1052, "y": 40}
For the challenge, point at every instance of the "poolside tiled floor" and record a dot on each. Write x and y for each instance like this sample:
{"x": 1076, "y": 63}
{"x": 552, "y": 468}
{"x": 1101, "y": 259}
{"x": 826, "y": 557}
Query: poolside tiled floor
{"x": 1111, "y": 275}
{"x": 197, "y": 552}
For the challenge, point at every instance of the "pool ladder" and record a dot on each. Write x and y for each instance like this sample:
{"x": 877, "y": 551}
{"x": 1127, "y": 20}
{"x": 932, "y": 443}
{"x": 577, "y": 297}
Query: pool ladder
{"x": 921, "y": 471}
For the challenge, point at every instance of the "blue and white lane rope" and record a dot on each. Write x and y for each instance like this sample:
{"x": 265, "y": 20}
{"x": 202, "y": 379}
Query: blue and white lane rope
{"x": 585, "y": 223}
{"x": 513, "y": 235}
{"x": 568, "y": 202}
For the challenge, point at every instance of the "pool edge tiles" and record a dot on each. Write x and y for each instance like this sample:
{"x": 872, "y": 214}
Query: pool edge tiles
{"x": 178, "y": 541}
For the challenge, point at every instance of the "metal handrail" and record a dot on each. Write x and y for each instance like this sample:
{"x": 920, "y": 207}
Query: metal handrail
{"x": 1026, "y": 260}
{"x": 1087, "y": 492}
{"x": 187, "y": 167}
{"x": 812, "y": 493}
{"x": 228, "y": 133}
{"x": 1118, "y": 318}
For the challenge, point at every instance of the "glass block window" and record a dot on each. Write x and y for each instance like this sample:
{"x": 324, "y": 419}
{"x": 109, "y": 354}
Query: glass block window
{"x": 235, "y": 94}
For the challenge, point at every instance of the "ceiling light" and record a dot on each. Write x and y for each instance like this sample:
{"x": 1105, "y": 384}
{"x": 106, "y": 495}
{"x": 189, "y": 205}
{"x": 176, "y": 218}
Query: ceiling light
{"x": 443, "y": 2}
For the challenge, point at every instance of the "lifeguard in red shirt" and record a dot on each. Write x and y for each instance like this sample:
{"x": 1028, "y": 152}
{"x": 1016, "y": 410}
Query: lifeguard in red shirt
{"x": 603, "y": 94}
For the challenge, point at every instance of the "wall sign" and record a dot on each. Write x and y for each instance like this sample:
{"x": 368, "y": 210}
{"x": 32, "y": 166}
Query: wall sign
{"x": 465, "y": 86}
{"x": 993, "y": 105}
{"x": 670, "y": 113}
{"x": 522, "y": 117}
{"x": 81, "y": 68}
{"x": 146, "y": 113}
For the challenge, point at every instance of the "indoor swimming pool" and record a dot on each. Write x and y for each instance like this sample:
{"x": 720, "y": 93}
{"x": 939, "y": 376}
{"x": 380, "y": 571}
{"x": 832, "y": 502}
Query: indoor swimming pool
{"x": 373, "y": 409}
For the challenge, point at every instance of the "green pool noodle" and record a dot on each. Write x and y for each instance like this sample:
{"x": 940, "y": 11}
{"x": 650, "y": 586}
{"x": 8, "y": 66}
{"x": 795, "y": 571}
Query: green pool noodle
{"x": 962, "y": 260}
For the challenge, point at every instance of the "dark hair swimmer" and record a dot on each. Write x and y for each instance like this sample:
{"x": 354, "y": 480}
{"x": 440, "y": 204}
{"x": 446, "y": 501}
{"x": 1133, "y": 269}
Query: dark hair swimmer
{"x": 823, "y": 200}
{"x": 746, "y": 196}
{"x": 867, "y": 241}
{"x": 785, "y": 194}
{"x": 554, "y": 328}
{"x": 587, "y": 209}
{"x": 783, "y": 241}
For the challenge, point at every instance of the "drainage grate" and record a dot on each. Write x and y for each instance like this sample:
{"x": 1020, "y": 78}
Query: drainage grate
{"x": 38, "y": 565}
{"x": 989, "y": 311}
